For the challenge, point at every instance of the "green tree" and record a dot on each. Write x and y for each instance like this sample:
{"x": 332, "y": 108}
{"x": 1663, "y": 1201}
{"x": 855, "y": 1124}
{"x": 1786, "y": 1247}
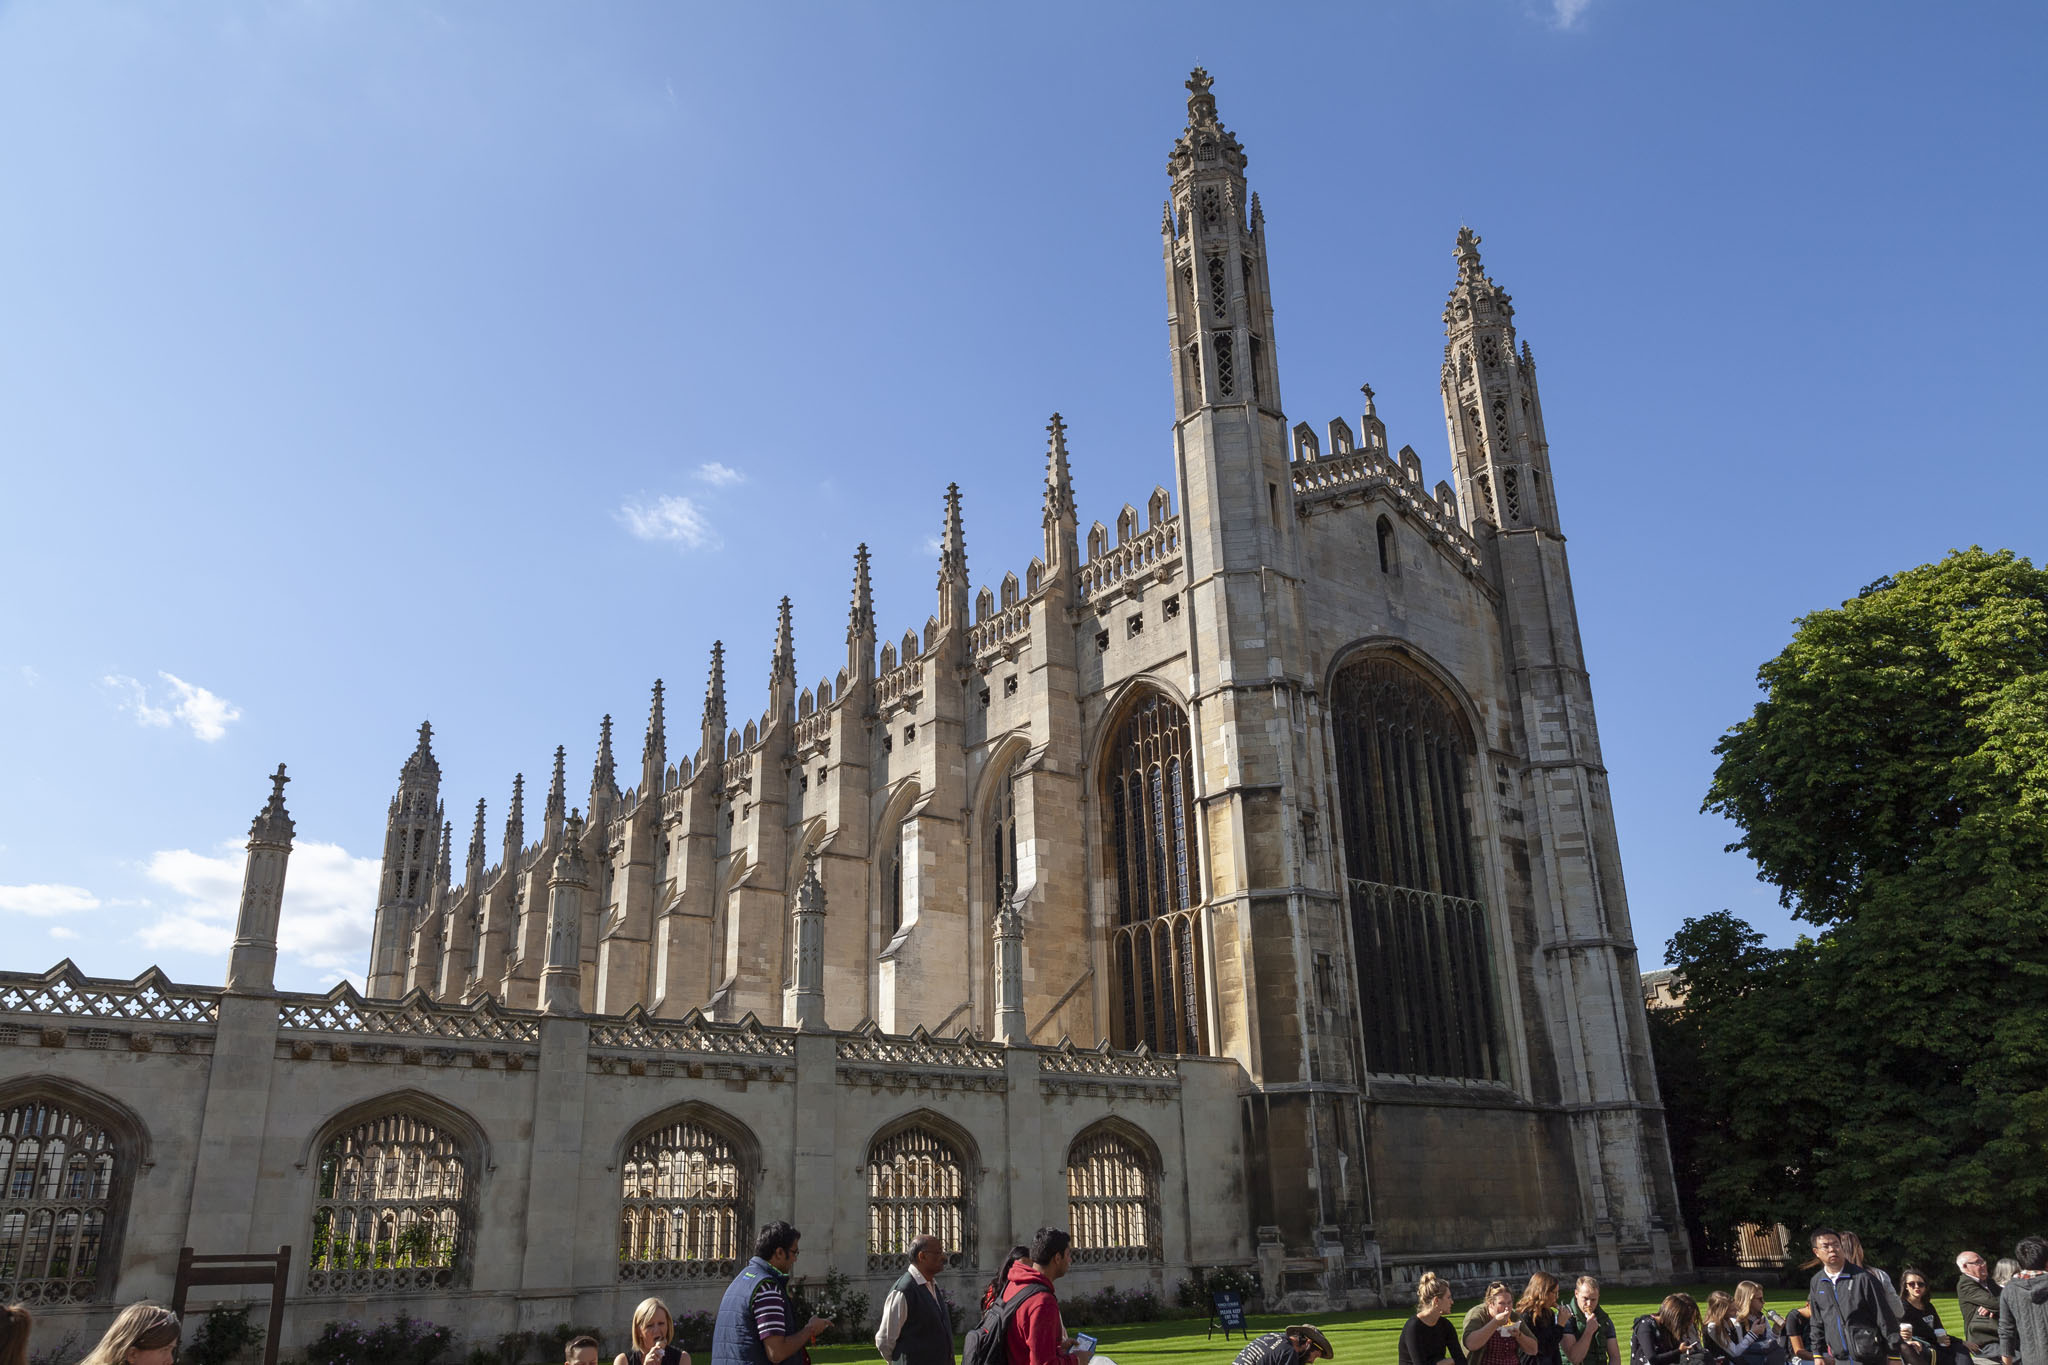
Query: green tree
{"x": 1890, "y": 1073}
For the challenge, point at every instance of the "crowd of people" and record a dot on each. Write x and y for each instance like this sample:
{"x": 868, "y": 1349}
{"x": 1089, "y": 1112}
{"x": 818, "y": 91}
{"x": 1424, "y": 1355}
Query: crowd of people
{"x": 1852, "y": 1314}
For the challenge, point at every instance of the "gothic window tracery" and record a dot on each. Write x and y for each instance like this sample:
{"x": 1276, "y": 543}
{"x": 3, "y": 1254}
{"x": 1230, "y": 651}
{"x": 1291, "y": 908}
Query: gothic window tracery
{"x": 919, "y": 1181}
{"x": 1402, "y": 768}
{"x": 1112, "y": 1197}
{"x": 687, "y": 1204}
{"x": 1002, "y": 838}
{"x": 1226, "y": 368}
{"x": 392, "y": 1208}
{"x": 1149, "y": 803}
{"x": 58, "y": 1181}
{"x": 1219, "y": 288}
{"x": 1511, "y": 492}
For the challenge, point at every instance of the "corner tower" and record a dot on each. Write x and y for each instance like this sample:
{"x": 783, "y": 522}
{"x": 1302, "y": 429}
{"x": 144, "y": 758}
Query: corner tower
{"x": 412, "y": 844}
{"x": 1491, "y": 409}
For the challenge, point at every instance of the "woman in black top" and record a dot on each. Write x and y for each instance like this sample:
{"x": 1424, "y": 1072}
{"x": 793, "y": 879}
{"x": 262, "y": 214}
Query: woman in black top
{"x": 1936, "y": 1346}
{"x": 1427, "y": 1338}
{"x": 1663, "y": 1339}
{"x": 1536, "y": 1327}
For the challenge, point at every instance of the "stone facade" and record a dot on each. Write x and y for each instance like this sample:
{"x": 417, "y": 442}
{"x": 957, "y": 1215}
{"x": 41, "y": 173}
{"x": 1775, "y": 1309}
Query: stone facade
{"x": 1271, "y": 824}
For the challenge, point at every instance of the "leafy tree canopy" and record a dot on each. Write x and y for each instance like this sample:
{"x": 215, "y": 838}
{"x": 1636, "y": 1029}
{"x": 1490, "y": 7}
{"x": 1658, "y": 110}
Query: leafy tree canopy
{"x": 1890, "y": 1073}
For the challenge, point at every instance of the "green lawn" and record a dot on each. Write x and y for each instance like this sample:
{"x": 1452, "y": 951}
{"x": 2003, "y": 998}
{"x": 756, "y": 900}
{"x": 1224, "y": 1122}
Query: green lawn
{"x": 1366, "y": 1338}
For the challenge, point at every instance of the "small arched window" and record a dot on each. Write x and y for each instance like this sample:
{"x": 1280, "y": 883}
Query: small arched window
{"x": 61, "y": 1180}
{"x": 1112, "y": 1196}
{"x": 392, "y": 1208}
{"x": 1386, "y": 539}
{"x": 687, "y": 1202}
{"x": 892, "y": 881}
{"x": 919, "y": 1181}
{"x": 1002, "y": 838}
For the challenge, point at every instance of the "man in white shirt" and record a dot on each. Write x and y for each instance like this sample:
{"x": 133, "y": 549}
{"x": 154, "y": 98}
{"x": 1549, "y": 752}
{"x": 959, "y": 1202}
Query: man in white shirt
{"x": 916, "y": 1328}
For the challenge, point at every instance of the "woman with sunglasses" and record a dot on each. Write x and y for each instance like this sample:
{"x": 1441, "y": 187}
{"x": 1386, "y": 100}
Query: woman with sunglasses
{"x": 1920, "y": 1315}
{"x": 144, "y": 1334}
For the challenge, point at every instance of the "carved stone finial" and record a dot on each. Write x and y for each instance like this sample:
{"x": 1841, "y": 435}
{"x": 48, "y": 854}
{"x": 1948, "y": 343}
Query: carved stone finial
{"x": 273, "y": 824}
{"x": 1199, "y": 81}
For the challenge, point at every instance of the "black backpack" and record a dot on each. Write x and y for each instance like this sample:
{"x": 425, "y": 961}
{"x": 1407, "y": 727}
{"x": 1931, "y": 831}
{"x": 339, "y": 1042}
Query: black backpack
{"x": 987, "y": 1339}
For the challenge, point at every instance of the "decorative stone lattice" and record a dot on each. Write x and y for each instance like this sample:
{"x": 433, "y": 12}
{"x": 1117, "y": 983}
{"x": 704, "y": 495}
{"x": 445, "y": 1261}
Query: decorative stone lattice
{"x": 687, "y": 1206}
{"x": 64, "y": 990}
{"x": 1157, "y": 549}
{"x": 691, "y": 1033}
{"x": 918, "y": 1183}
{"x": 343, "y": 1010}
{"x": 1112, "y": 1199}
{"x": 57, "y": 1177}
{"x": 391, "y": 1209}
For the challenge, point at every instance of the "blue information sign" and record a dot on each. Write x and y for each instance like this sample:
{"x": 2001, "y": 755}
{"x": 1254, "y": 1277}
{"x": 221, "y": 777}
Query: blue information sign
{"x": 1227, "y": 1311}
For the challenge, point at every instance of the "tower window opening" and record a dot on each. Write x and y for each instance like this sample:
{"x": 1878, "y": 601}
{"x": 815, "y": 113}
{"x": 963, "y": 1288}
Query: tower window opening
{"x": 1226, "y": 367}
{"x": 1386, "y": 539}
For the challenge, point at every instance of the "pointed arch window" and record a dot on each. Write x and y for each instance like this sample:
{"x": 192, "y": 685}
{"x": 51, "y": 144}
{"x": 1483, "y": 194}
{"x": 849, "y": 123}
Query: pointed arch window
{"x": 1002, "y": 839}
{"x": 1148, "y": 799}
{"x": 919, "y": 1181}
{"x": 63, "y": 1181}
{"x": 1112, "y": 1196}
{"x": 1403, "y": 755}
{"x": 392, "y": 1208}
{"x": 892, "y": 882}
{"x": 687, "y": 1202}
{"x": 1386, "y": 540}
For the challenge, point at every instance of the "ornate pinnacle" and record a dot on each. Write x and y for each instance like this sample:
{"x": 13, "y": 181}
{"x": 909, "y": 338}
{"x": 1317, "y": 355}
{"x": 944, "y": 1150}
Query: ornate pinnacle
{"x": 558, "y": 800}
{"x": 714, "y": 689}
{"x": 1370, "y": 410}
{"x": 515, "y": 818}
{"x": 273, "y": 824}
{"x": 443, "y": 868}
{"x": 655, "y": 750}
{"x": 603, "y": 773}
{"x": 860, "y": 618}
{"x": 476, "y": 838}
{"x": 1059, "y": 478}
{"x": 782, "y": 667}
{"x": 1467, "y": 252}
{"x": 953, "y": 541}
{"x": 421, "y": 764}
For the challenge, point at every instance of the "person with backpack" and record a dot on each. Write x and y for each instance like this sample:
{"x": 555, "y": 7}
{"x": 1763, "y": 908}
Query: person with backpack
{"x": 752, "y": 1327}
{"x": 1668, "y": 1336}
{"x": 1024, "y": 1328}
{"x": 1845, "y": 1296}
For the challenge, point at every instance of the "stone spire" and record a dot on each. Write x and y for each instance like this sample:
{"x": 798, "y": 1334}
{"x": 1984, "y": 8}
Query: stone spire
{"x": 807, "y": 967}
{"x": 515, "y": 823}
{"x": 1061, "y": 520}
{"x": 252, "y": 962}
{"x": 782, "y": 665}
{"x": 654, "y": 753}
{"x": 860, "y": 623}
{"x": 477, "y": 849}
{"x": 444, "y": 868}
{"x": 604, "y": 774}
{"x": 421, "y": 767}
{"x": 412, "y": 837}
{"x": 953, "y": 563}
{"x": 714, "y": 709}
{"x": 558, "y": 797}
{"x": 1206, "y": 139}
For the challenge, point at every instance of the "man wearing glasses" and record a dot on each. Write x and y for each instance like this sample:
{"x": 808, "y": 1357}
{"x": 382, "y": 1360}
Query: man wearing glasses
{"x": 752, "y": 1327}
{"x": 1977, "y": 1294}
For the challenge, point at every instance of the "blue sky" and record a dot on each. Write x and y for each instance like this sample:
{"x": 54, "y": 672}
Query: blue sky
{"x": 362, "y": 363}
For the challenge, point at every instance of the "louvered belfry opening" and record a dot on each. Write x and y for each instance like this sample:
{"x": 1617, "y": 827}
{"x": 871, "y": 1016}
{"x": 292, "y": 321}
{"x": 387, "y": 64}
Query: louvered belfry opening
{"x": 58, "y": 1176}
{"x": 687, "y": 1204}
{"x": 392, "y": 1208}
{"x": 1425, "y": 983}
{"x": 1156, "y": 945}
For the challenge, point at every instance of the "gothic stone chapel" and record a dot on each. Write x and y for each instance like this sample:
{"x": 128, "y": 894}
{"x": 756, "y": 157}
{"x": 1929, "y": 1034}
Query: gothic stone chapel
{"x": 1238, "y": 886}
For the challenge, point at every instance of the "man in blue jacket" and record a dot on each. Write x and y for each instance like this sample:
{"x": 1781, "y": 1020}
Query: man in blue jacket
{"x": 752, "y": 1327}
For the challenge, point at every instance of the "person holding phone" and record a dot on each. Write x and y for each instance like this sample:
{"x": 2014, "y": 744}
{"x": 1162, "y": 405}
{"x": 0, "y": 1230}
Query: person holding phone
{"x": 752, "y": 1327}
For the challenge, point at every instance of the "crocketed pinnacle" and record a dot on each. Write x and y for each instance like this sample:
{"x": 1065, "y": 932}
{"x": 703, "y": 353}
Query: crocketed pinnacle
{"x": 860, "y": 618}
{"x": 1475, "y": 297}
{"x": 1207, "y": 144}
{"x": 655, "y": 750}
{"x": 953, "y": 541}
{"x": 782, "y": 666}
{"x": 604, "y": 774}
{"x": 515, "y": 818}
{"x": 476, "y": 837}
{"x": 714, "y": 690}
{"x": 273, "y": 824}
{"x": 421, "y": 767}
{"x": 1059, "y": 478}
{"x": 558, "y": 791}
{"x": 444, "y": 868}
{"x": 1467, "y": 252}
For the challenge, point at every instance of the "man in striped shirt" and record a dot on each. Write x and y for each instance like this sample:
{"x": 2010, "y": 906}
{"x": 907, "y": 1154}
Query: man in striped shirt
{"x": 752, "y": 1327}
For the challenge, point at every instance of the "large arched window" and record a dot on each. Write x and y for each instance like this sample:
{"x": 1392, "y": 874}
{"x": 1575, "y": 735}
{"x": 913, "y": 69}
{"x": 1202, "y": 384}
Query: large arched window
{"x": 1113, "y": 1195}
{"x": 1420, "y": 929}
{"x": 1148, "y": 795}
{"x": 687, "y": 1201}
{"x": 61, "y": 1181}
{"x": 919, "y": 1181}
{"x": 392, "y": 1208}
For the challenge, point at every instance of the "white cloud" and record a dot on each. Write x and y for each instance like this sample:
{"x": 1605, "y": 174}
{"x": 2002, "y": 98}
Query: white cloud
{"x": 669, "y": 518}
{"x": 207, "y": 715}
{"x": 47, "y": 898}
{"x": 59, "y": 931}
{"x": 1567, "y": 12}
{"x": 719, "y": 475}
{"x": 330, "y": 903}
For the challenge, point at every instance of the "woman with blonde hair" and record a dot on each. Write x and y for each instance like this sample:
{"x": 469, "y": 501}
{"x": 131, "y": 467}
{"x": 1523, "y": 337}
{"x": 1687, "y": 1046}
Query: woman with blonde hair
{"x": 1537, "y": 1332}
{"x": 14, "y": 1328}
{"x": 144, "y": 1334}
{"x": 1749, "y": 1332}
{"x": 1490, "y": 1327}
{"x": 1426, "y": 1338}
{"x": 652, "y": 1328}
